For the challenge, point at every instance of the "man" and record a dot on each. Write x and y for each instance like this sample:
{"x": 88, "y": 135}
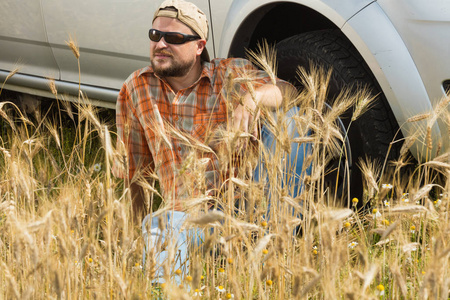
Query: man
{"x": 184, "y": 91}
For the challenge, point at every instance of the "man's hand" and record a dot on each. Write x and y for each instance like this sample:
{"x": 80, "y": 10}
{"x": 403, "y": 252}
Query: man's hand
{"x": 246, "y": 115}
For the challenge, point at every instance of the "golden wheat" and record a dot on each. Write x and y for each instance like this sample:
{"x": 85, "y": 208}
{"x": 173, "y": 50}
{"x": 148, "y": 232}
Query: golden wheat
{"x": 67, "y": 229}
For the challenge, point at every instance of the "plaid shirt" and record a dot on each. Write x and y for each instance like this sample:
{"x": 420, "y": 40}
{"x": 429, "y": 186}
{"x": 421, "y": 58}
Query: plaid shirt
{"x": 149, "y": 112}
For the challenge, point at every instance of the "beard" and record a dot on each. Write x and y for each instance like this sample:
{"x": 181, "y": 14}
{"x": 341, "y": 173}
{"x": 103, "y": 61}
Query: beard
{"x": 176, "y": 68}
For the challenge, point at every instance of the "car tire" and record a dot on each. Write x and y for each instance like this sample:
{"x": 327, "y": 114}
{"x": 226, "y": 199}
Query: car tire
{"x": 370, "y": 135}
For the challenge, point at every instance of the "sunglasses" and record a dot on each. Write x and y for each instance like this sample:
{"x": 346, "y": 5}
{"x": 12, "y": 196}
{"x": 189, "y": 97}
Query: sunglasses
{"x": 171, "y": 37}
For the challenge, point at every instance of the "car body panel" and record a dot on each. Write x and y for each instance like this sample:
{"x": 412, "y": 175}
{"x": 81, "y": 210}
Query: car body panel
{"x": 392, "y": 65}
{"x": 116, "y": 45}
{"x": 425, "y": 29}
{"x": 408, "y": 52}
{"x": 23, "y": 40}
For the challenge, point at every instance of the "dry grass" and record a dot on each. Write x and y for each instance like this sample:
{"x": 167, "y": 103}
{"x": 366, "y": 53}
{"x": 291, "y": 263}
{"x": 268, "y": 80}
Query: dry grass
{"x": 67, "y": 230}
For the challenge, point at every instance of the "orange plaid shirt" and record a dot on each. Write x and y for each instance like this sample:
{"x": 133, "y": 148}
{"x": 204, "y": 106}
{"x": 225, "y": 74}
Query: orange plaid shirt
{"x": 147, "y": 109}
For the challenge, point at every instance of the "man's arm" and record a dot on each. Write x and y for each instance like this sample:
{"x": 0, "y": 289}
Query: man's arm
{"x": 267, "y": 95}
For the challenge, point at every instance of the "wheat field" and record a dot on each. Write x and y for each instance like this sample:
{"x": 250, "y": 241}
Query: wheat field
{"x": 67, "y": 229}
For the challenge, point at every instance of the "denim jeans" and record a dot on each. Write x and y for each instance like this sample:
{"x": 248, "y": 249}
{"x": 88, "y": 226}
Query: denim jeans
{"x": 168, "y": 234}
{"x": 293, "y": 171}
{"x": 171, "y": 230}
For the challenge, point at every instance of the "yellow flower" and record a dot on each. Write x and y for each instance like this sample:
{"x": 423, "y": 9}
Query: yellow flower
{"x": 380, "y": 290}
{"x": 189, "y": 278}
{"x": 347, "y": 224}
{"x": 265, "y": 251}
{"x": 178, "y": 272}
{"x": 269, "y": 282}
{"x": 90, "y": 259}
{"x": 229, "y": 296}
{"x": 423, "y": 272}
{"x": 220, "y": 289}
{"x": 264, "y": 224}
{"x": 376, "y": 213}
{"x": 386, "y": 222}
{"x": 221, "y": 270}
{"x": 202, "y": 277}
{"x": 230, "y": 261}
{"x": 355, "y": 201}
{"x": 413, "y": 228}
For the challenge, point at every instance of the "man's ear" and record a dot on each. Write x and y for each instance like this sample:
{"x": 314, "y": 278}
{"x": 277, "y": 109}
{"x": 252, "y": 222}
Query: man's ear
{"x": 201, "y": 44}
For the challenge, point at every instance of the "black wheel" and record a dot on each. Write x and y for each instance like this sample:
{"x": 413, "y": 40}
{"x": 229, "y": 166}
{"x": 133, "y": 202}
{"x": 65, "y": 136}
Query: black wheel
{"x": 369, "y": 135}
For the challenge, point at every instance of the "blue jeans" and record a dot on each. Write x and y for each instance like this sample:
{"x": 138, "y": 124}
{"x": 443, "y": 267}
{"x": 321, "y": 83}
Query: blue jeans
{"x": 294, "y": 168}
{"x": 178, "y": 239}
{"x": 168, "y": 236}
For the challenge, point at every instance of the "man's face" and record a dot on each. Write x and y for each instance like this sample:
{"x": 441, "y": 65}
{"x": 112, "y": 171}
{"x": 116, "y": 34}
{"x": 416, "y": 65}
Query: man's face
{"x": 170, "y": 60}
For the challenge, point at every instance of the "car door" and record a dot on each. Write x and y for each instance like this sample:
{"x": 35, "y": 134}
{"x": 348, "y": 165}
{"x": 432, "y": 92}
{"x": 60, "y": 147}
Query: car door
{"x": 112, "y": 36}
{"x": 23, "y": 41}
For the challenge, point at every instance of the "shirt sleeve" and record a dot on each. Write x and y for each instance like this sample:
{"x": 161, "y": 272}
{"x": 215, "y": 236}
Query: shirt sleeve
{"x": 131, "y": 137}
{"x": 240, "y": 75}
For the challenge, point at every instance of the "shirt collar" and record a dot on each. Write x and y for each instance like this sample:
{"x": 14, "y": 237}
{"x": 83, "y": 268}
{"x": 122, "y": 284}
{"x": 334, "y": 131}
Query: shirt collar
{"x": 147, "y": 69}
{"x": 206, "y": 70}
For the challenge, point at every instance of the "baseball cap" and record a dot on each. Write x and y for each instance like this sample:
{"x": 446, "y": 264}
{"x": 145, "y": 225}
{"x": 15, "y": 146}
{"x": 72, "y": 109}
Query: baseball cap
{"x": 187, "y": 13}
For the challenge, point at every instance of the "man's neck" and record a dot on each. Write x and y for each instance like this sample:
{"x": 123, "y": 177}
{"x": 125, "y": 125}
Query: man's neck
{"x": 183, "y": 82}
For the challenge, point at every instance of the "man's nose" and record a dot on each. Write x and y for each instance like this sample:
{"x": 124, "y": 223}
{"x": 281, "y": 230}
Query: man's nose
{"x": 161, "y": 43}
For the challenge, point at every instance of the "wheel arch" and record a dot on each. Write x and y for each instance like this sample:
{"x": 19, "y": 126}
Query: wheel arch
{"x": 381, "y": 47}
{"x": 388, "y": 58}
{"x": 275, "y": 22}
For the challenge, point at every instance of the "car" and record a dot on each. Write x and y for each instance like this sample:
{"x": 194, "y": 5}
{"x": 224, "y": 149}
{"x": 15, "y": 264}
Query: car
{"x": 399, "y": 48}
